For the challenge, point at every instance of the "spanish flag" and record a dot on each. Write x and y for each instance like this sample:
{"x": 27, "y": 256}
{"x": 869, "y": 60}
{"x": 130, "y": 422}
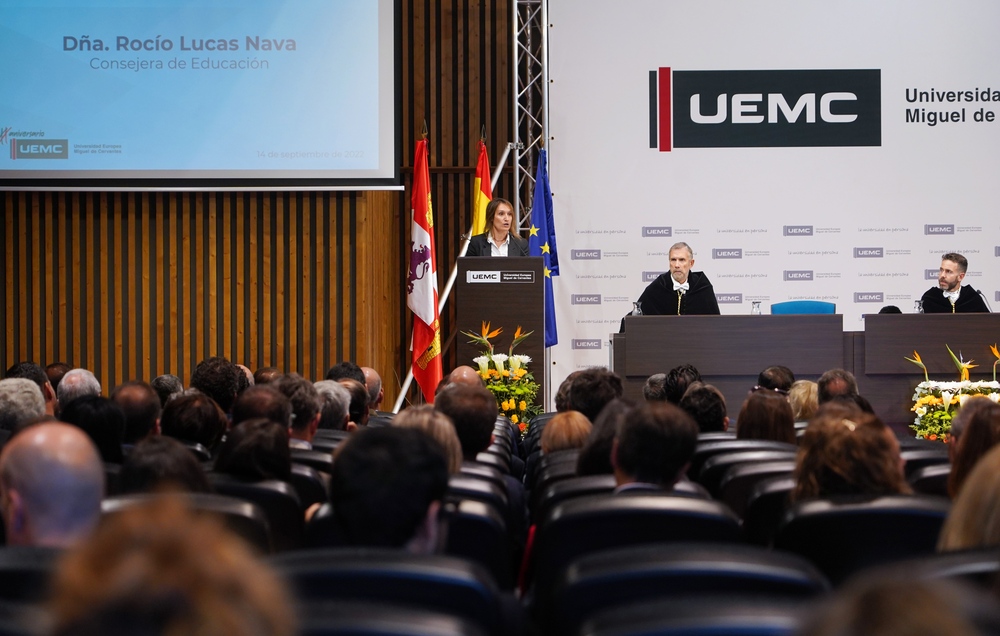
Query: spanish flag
{"x": 482, "y": 191}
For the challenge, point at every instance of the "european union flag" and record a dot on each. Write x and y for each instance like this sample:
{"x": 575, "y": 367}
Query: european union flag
{"x": 542, "y": 242}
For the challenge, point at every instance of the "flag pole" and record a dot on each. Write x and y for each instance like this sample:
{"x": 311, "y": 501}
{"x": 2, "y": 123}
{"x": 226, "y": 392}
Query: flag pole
{"x": 453, "y": 276}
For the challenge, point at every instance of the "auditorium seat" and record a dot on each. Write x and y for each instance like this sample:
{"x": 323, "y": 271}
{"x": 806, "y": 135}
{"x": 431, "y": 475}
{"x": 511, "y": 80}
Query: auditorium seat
{"x": 599, "y": 581}
{"x": 321, "y": 530}
{"x": 320, "y": 460}
{"x": 979, "y": 566}
{"x": 468, "y": 487}
{"x": 548, "y": 476}
{"x": 326, "y": 444}
{"x": 917, "y": 458}
{"x": 477, "y": 531}
{"x": 112, "y": 478}
{"x": 438, "y": 583}
{"x": 25, "y": 573}
{"x": 201, "y": 453}
{"x": 244, "y": 518}
{"x": 765, "y": 508}
{"x": 931, "y": 480}
{"x": 533, "y": 439}
{"x": 803, "y": 307}
{"x": 717, "y": 435}
{"x": 585, "y": 525}
{"x": 311, "y": 485}
{"x": 495, "y": 460}
{"x": 279, "y": 501}
{"x": 701, "y": 616}
{"x": 715, "y": 467}
{"x": 380, "y": 619}
{"x": 482, "y": 471}
{"x": 330, "y": 433}
{"x": 844, "y": 535}
{"x": 740, "y": 479}
{"x": 704, "y": 450}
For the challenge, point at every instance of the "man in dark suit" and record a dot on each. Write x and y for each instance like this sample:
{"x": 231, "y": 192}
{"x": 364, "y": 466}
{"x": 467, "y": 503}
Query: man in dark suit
{"x": 950, "y": 296}
{"x": 653, "y": 448}
{"x": 499, "y": 239}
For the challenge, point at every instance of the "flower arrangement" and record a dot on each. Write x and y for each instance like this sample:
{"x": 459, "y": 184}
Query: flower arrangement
{"x": 935, "y": 403}
{"x": 507, "y": 376}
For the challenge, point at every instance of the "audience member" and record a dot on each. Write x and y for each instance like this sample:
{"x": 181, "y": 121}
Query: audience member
{"x": 566, "y": 431}
{"x": 35, "y": 373}
{"x": 158, "y": 570}
{"x": 776, "y": 378}
{"x": 436, "y": 424}
{"x": 218, "y": 378}
{"x": 974, "y": 519}
{"x": 373, "y": 383}
{"x": 158, "y": 464}
{"x": 562, "y": 393}
{"x": 358, "y": 407}
{"x": 262, "y": 401}
{"x": 244, "y": 379}
{"x": 845, "y": 452}
{"x": 653, "y": 447}
{"x": 836, "y": 383}
{"x": 595, "y": 455}
{"x": 592, "y": 390}
{"x": 802, "y": 397}
{"x": 766, "y": 415}
{"x": 266, "y": 375}
{"x": 678, "y": 380}
{"x": 194, "y": 418}
{"x": 77, "y": 383}
{"x": 655, "y": 388}
{"x": 980, "y": 431}
{"x": 335, "y": 414}
{"x": 255, "y": 450}
{"x": 141, "y": 406}
{"x": 20, "y": 401}
{"x": 102, "y": 420}
{"x": 51, "y": 486}
{"x": 707, "y": 406}
{"x": 306, "y": 405}
{"x": 346, "y": 370}
{"x": 464, "y": 375}
{"x": 166, "y": 387}
{"x": 386, "y": 489}
{"x": 55, "y": 371}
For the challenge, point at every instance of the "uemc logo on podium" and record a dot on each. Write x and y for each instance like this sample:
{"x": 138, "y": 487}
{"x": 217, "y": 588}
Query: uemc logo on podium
{"x": 738, "y": 109}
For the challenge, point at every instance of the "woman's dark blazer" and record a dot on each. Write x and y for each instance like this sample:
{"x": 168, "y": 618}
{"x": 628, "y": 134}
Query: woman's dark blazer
{"x": 479, "y": 245}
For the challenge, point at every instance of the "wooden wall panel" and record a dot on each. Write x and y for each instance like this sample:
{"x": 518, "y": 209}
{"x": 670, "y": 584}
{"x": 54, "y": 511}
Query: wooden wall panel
{"x": 132, "y": 285}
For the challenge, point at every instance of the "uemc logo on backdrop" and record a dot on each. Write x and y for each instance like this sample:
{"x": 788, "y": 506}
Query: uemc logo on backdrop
{"x": 735, "y": 109}
{"x": 869, "y": 297}
{"x": 729, "y": 299}
{"x": 585, "y": 255}
{"x": 797, "y": 230}
{"x": 798, "y": 274}
{"x": 585, "y": 299}
{"x": 591, "y": 343}
{"x": 648, "y": 277}
{"x": 657, "y": 231}
{"x": 727, "y": 253}
{"x": 939, "y": 228}
{"x": 869, "y": 252}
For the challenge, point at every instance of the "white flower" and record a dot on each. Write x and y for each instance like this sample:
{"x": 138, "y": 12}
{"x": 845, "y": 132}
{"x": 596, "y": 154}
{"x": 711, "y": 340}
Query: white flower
{"x": 963, "y": 398}
{"x": 483, "y": 362}
{"x": 922, "y": 411}
{"x": 994, "y": 396}
{"x": 946, "y": 399}
{"x": 499, "y": 359}
{"x": 517, "y": 361}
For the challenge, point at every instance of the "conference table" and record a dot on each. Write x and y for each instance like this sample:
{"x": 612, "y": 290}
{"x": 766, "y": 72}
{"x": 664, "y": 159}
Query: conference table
{"x": 729, "y": 352}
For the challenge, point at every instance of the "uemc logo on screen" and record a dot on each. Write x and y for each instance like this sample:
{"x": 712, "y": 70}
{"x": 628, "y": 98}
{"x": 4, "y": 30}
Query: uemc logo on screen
{"x": 736, "y": 109}
{"x": 39, "y": 149}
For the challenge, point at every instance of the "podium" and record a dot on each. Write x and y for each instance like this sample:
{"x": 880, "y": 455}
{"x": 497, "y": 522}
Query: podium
{"x": 505, "y": 292}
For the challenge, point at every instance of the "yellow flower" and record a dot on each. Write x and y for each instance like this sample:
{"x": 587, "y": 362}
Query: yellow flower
{"x": 513, "y": 419}
{"x": 506, "y": 373}
{"x": 523, "y": 406}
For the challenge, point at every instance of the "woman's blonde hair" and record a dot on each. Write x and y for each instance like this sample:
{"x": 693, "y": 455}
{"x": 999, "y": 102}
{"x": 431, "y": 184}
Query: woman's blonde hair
{"x": 804, "y": 399}
{"x": 974, "y": 519}
{"x": 439, "y": 426}
{"x": 566, "y": 430}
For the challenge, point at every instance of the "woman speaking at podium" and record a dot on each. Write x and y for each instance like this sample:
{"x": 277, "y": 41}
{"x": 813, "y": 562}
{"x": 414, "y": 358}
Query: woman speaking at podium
{"x": 500, "y": 238}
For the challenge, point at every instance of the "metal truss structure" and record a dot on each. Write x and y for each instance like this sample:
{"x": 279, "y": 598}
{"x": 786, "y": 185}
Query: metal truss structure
{"x": 531, "y": 103}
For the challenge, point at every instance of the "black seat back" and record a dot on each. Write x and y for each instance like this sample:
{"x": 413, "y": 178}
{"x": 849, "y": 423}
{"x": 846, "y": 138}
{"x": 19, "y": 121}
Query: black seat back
{"x": 318, "y": 459}
{"x": 478, "y": 532}
{"x": 765, "y": 508}
{"x": 931, "y": 480}
{"x": 279, "y": 501}
{"x": 715, "y": 467}
{"x": 708, "y": 448}
{"x": 311, "y": 485}
{"x": 739, "y": 480}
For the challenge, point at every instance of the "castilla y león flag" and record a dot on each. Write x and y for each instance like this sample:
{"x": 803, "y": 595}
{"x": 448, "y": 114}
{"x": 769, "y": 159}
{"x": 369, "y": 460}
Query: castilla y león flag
{"x": 421, "y": 284}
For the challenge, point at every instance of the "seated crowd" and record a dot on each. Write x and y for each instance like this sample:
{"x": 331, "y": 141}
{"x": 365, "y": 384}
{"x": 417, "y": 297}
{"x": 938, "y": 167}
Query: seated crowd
{"x": 361, "y": 477}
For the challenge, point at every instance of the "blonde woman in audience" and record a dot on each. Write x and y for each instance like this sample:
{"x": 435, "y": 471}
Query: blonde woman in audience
{"x": 565, "y": 431}
{"x": 804, "y": 399}
{"x": 847, "y": 452}
{"x": 436, "y": 424}
{"x": 974, "y": 520}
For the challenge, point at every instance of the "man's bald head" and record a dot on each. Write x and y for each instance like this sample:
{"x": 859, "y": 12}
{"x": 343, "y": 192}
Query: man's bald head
{"x": 373, "y": 382}
{"x": 465, "y": 375}
{"x": 51, "y": 486}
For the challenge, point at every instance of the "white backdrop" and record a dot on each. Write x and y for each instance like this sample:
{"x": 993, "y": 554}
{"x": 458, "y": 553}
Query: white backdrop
{"x": 879, "y": 217}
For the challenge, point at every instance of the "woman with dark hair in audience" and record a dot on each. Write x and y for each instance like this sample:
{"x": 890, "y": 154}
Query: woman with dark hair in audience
{"x": 102, "y": 420}
{"x": 766, "y": 415}
{"x": 847, "y": 452}
{"x": 427, "y": 419}
{"x": 194, "y": 418}
{"x": 974, "y": 519}
{"x": 976, "y": 432}
{"x": 159, "y": 463}
{"x": 255, "y": 450}
{"x": 595, "y": 456}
